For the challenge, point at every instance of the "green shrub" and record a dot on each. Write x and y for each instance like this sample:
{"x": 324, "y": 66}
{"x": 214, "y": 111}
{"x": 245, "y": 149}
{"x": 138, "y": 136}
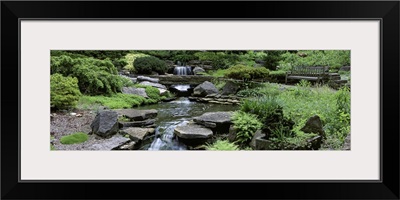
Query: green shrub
{"x": 246, "y": 73}
{"x": 120, "y": 63}
{"x": 311, "y": 58}
{"x": 74, "y": 138}
{"x": 343, "y": 100}
{"x": 130, "y": 59}
{"x": 246, "y": 125}
{"x": 148, "y": 64}
{"x": 270, "y": 113}
{"x": 222, "y": 145}
{"x": 219, "y": 59}
{"x": 102, "y": 55}
{"x": 64, "y": 91}
{"x": 94, "y": 76}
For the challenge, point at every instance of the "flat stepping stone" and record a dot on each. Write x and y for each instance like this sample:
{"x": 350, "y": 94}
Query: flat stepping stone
{"x": 193, "y": 131}
{"x": 108, "y": 144}
{"x": 138, "y": 134}
{"x": 148, "y": 122}
{"x": 137, "y": 115}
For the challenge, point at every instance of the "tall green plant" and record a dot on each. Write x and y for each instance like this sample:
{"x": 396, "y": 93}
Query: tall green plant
{"x": 64, "y": 91}
{"x": 246, "y": 125}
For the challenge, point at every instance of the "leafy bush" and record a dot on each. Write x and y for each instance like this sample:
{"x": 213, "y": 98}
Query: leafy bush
{"x": 266, "y": 89}
{"x": 310, "y": 58}
{"x": 246, "y": 125}
{"x": 272, "y": 59}
{"x": 343, "y": 100}
{"x": 270, "y": 113}
{"x": 64, "y": 91}
{"x": 246, "y": 73}
{"x": 146, "y": 65}
{"x": 94, "y": 76}
{"x": 74, "y": 138}
{"x": 219, "y": 60}
{"x": 102, "y": 55}
{"x": 222, "y": 145}
{"x": 130, "y": 59}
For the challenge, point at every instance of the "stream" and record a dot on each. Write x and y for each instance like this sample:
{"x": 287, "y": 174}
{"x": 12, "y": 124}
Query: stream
{"x": 174, "y": 113}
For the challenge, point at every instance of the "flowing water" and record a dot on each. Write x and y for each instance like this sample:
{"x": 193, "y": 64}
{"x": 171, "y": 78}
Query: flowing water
{"x": 177, "y": 112}
{"x": 183, "y": 70}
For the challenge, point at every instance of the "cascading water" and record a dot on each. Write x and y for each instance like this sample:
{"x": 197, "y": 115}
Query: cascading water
{"x": 183, "y": 70}
{"x": 176, "y": 113}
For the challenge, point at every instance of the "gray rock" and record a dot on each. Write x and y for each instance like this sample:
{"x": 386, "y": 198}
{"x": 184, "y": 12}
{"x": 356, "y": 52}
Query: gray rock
{"x": 129, "y": 146}
{"x": 108, "y": 144}
{"x": 156, "y": 85}
{"x": 257, "y": 135}
{"x": 218, "y": 121}
{"x": 145, "y": 123}
{"x": 138, "y": 134}
{"x": 145, "y": 78}
{"x": 232, "y": 134}
{"x": 347, "y": 142}
{"x": 137, "y": 115}
{"x": 105, "y": 123}
{"x": 162, "y": 91}
{"x": 193, "y": 131}
{"x": 198, "y": 70}
{"x": 314, "y": 125}
{"x": 230, "y": 88}
{"x": 262, "y": 144}
{"x": 205, "y": 89}
{"x": 136, "y": 91}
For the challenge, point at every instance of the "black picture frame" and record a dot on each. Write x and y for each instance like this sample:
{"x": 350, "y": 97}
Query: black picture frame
{"x": 386, "y": 11}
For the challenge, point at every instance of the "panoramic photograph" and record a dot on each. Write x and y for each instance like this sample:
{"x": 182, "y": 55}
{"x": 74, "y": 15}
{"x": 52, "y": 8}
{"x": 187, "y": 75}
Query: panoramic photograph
{"x": 210, "y": 100}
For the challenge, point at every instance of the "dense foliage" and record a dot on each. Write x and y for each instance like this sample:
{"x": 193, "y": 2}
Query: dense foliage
{"x": 332, "y": 58}
{"x": 246, "y": 125}
{"x": 64, "y": 91}
{"x": 95, "y": 76}
{"x": 222, "y": 145}
{"x": 149, "y": 64}
{"x": 243, "y": 72}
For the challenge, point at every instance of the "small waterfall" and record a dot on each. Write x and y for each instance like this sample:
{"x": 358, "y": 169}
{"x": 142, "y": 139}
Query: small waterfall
{"x": 183, "y": 70}
{"x": 165, "y": 140}
{"x": 181, "y": 90}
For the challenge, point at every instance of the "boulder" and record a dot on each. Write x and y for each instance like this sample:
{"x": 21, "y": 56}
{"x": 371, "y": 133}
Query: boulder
{"x": 230, "y": 88}
{"x": 198, "y": 70}
{"x": 128, "y": 146}
{"x": 192, "y": 131}
{"x": 232, "y": 133}
{"x": 137, "y": 115}
{"x": 314, "y": 125}
{"x": 193, "y": 134}
{"x": 257, "y": 135}
{"x": 145, "y": 123}
{"x": 347, "y": 142}
{"x": 219, "y": 122}
{"x": 162, "y": 91}
{"x": 108, "y": 144}
{"x": 138, "y": 134}
{"x": 136, "y": 91}
{"x": 156, "y": 85}
{"x": 145, "y": 78}
{"x": 204, "y": 89}
{"x": 105, "y": 123}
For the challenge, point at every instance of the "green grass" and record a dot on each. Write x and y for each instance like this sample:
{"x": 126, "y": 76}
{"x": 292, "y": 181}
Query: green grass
{"x": 74, "y": 138}
{"x": 119, "y": 100}
{"x": 301, "y": 102}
